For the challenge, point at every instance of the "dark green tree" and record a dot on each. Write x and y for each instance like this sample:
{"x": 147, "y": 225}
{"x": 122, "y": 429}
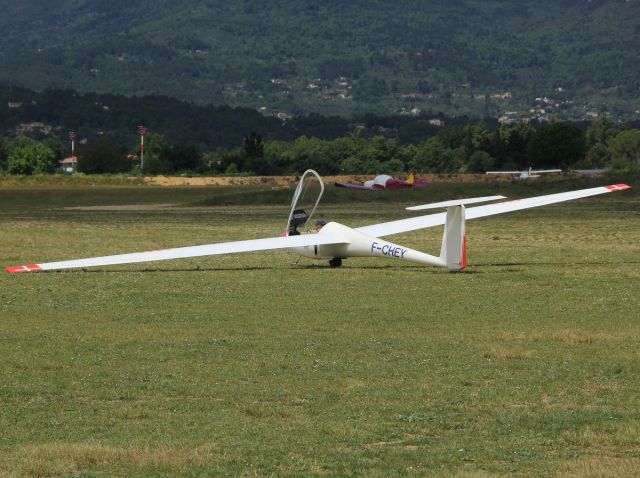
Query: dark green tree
{"x": 598, "y": 156}
{"x": 3, "y": 153}
{"x": 57, "y": 146}
{"x": 102, "y": 156}
{"x": 556, "y": 144}
{"x": 351, "y": 165}
{"x": 253, "y": 146}
{"x": 27, "y": 156}
{"x": 509, "y": 146}
{"x": 155, "y": 144}
{"x": 625, "y": 150}
{"x": 434, "y": 157}
{"x": 600, "y": 132}
{"x": 181, "y": 157}
{"x": 254, "y": 158}
{"x": 479, "y": 162}
{"x": 370, "y": 87}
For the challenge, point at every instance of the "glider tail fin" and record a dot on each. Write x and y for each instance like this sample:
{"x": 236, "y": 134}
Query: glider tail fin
{"x": 454, "y": 244}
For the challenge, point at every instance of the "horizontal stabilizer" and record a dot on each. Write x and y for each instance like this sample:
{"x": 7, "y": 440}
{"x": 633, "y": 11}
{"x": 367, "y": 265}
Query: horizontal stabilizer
{"x": 455, "y": 202}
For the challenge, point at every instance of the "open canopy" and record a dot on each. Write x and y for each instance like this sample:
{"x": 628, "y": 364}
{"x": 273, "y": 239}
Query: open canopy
{"x": 304, "y": 202}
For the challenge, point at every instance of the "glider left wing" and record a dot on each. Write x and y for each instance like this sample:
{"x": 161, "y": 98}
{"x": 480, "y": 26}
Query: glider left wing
{"x": 422, "y": 222}
{"x": 184, "y": 252}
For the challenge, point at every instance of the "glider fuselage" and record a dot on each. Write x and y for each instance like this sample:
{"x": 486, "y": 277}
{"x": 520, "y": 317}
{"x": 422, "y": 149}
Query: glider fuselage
{"x": 357, "y": 244}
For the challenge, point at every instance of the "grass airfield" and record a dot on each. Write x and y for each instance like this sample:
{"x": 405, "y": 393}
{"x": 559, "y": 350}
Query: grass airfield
{"x": 250, "y": 365}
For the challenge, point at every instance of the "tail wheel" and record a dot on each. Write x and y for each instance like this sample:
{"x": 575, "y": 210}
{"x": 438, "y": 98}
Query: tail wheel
{"x": 336, "y": 262}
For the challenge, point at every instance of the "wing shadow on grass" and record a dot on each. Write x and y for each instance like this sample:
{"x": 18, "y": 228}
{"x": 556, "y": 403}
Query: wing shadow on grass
{"x": 558, "y": 263}
{"x": 289, "y": 267}
{"x": 515, "y": 267}
{"x": 355, "y": 267}
{"x": 174, "y": 269}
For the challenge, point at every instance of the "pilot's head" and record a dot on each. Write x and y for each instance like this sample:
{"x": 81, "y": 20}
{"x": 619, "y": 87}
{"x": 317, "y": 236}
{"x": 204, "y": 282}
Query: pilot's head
{"x": 320, "y": 223}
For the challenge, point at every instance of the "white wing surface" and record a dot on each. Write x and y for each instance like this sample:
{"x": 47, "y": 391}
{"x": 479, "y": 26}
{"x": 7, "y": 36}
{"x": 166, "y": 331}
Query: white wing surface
{"x": 454, "y": 202}
{"x": 421, "y": 222}
{"x": 184, "y": 252}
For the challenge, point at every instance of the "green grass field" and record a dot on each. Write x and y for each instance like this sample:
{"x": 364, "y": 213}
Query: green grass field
{"x": 248, "y": 365}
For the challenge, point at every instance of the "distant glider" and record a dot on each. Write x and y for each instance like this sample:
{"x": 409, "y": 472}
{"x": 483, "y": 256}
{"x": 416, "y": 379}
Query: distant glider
{"x": 335, "y": 242}
{"x": 384, "y": 182}
{"x": 527, "y": 174}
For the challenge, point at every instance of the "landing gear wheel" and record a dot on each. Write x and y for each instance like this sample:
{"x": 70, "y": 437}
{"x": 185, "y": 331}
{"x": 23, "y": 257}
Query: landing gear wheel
{"x": 337, "y": 262}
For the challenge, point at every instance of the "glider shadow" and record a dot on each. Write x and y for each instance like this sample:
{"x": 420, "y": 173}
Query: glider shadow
{"x": 399, "y": 267}
{"x": 568, "y": 263}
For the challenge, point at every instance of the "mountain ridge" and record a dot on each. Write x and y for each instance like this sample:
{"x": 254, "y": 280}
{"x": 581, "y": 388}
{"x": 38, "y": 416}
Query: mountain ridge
{"x": 297, "y": 57}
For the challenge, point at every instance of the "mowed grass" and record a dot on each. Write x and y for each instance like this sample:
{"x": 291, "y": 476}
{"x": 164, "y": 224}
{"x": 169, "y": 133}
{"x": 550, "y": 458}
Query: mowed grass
{"x": 250, "y": 365}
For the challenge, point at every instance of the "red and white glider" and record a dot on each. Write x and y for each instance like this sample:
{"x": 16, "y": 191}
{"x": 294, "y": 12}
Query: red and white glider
{"x": 384, "y": 182}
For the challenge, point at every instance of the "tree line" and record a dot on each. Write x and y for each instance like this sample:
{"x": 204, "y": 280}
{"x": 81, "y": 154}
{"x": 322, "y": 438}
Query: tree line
{"x": 473, "y": 148}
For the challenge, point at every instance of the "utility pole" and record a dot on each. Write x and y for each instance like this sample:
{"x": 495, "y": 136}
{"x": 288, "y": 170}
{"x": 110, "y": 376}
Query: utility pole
{"x": 73, "y": 136}
{"x": 142, "y": 130}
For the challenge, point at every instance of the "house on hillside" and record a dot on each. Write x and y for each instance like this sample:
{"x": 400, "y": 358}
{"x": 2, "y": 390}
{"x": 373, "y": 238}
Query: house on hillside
{"x": 34, "y": 126}
{"x": 69, "y": 165}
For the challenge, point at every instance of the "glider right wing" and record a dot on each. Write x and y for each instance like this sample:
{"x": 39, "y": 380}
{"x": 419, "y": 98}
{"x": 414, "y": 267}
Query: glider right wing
{"x": 421, "y": 222}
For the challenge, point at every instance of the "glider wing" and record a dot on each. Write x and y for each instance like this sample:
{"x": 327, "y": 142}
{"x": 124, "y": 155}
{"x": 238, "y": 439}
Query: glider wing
{"x": 184, "y": 252}
{"x": 421, "y": 222}
{"x": 351, "y": 186}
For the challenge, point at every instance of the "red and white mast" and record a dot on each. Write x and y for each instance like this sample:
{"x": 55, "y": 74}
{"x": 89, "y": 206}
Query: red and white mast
{"x": 73, "y": 136}
{"x": 142, "y": 130}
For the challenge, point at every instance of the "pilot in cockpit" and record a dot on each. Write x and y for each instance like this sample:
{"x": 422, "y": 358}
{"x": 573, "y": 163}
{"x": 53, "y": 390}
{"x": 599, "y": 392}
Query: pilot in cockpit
{"x": 320, "y": 223}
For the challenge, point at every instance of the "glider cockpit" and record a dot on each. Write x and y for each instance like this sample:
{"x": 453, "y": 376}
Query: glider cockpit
{"x": 306, "y": 196}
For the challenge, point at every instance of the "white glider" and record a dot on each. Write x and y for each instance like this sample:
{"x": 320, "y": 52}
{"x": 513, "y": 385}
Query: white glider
{"x": 336, "y": 241}
{"x": 526, "y": 174}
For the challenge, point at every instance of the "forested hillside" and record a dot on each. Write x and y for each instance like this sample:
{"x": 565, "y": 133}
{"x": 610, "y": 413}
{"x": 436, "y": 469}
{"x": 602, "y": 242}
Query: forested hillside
{"x": 190, "y": 139}
{"x": 564, "y": 58}
{"x": 117, "y": 117}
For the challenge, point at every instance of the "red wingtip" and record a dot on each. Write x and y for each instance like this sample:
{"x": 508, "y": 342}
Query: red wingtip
{"x": 618, "y": 187}
{"x": 28, "y": 268}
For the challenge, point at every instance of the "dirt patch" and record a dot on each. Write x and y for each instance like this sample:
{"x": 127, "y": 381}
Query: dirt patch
{"x": 282, "y": 181}
{"x": 285, "y": 181}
